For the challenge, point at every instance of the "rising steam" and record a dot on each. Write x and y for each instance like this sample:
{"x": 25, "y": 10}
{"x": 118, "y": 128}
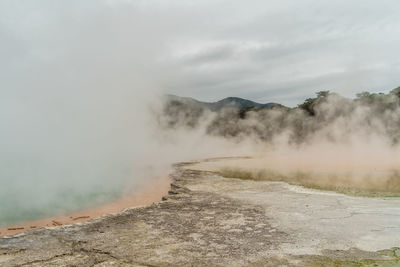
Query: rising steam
{"x": 327, "y": 142}
{"x": 79, "y": 84}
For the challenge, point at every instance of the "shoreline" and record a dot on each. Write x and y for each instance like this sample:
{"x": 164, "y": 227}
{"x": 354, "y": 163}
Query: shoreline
{"x": 149, "y": 192}
{"x": 203, "y": 210}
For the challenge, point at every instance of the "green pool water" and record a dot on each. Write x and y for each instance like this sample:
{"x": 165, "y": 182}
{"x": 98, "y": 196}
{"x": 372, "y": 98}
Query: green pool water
{"x": 17, "y": 208}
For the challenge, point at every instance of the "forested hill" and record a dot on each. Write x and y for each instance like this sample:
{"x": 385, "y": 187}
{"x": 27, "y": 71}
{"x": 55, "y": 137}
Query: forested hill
{"x": 229, "y": 102}
{"x": 328, "y": 115}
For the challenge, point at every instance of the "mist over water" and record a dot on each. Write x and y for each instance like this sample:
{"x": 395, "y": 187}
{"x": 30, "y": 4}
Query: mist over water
{"x": 75, "y": 90}
{"x": 82, "y": 111}
{"x": 79, "y": 87}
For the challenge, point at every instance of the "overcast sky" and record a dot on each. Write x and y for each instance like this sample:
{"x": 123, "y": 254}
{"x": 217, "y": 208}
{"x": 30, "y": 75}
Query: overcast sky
{"x": 270, "y": 50}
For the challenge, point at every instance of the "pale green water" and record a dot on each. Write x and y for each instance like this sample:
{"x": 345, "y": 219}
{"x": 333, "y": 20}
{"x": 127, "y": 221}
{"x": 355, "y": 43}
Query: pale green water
{"x": 15, "y": 209}
{"x": 33, "y": 187}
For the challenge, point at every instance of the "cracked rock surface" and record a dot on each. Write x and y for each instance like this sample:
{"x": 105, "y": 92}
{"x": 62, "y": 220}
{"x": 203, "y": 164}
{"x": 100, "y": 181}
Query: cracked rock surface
{"x": 207, "y": 220}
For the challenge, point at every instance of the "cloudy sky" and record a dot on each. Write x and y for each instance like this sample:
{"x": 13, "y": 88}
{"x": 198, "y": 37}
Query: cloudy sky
{"x": 275, "y": 50}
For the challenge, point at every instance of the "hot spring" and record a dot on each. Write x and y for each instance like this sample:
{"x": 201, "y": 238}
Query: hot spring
{"x": 28, "y": 193}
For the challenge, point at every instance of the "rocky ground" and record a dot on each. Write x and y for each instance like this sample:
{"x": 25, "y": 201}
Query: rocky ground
{"x": 208, "y": 220}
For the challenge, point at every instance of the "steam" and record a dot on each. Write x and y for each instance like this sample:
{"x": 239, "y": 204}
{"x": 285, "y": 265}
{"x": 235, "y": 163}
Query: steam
{"x": 328, "y": 141}
{"x": 78, "y": 87}
{"x": 73, "y": 109}
{"x": 82, "y": 115}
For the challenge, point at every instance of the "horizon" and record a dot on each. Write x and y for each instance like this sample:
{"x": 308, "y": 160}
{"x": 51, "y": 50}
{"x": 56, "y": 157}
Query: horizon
{"x": 385, "y": 91}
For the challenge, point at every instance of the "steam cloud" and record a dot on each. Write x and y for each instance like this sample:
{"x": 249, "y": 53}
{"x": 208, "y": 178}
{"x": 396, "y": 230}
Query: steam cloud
{"x": 79, "y": 82}
{"x": 329, "y": 141}
{"x": 73, "y": 120}
{"x": 81, "y": 107}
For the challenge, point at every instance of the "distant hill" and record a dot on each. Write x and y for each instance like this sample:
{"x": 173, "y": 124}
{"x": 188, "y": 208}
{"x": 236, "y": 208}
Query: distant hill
{"x": 299, "y": 124}
{"x": 235, "y": 102}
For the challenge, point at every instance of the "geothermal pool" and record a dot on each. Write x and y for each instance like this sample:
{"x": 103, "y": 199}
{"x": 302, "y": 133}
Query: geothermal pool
{"x": 17, "y": 214}
{"x": 17, "y": 208}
